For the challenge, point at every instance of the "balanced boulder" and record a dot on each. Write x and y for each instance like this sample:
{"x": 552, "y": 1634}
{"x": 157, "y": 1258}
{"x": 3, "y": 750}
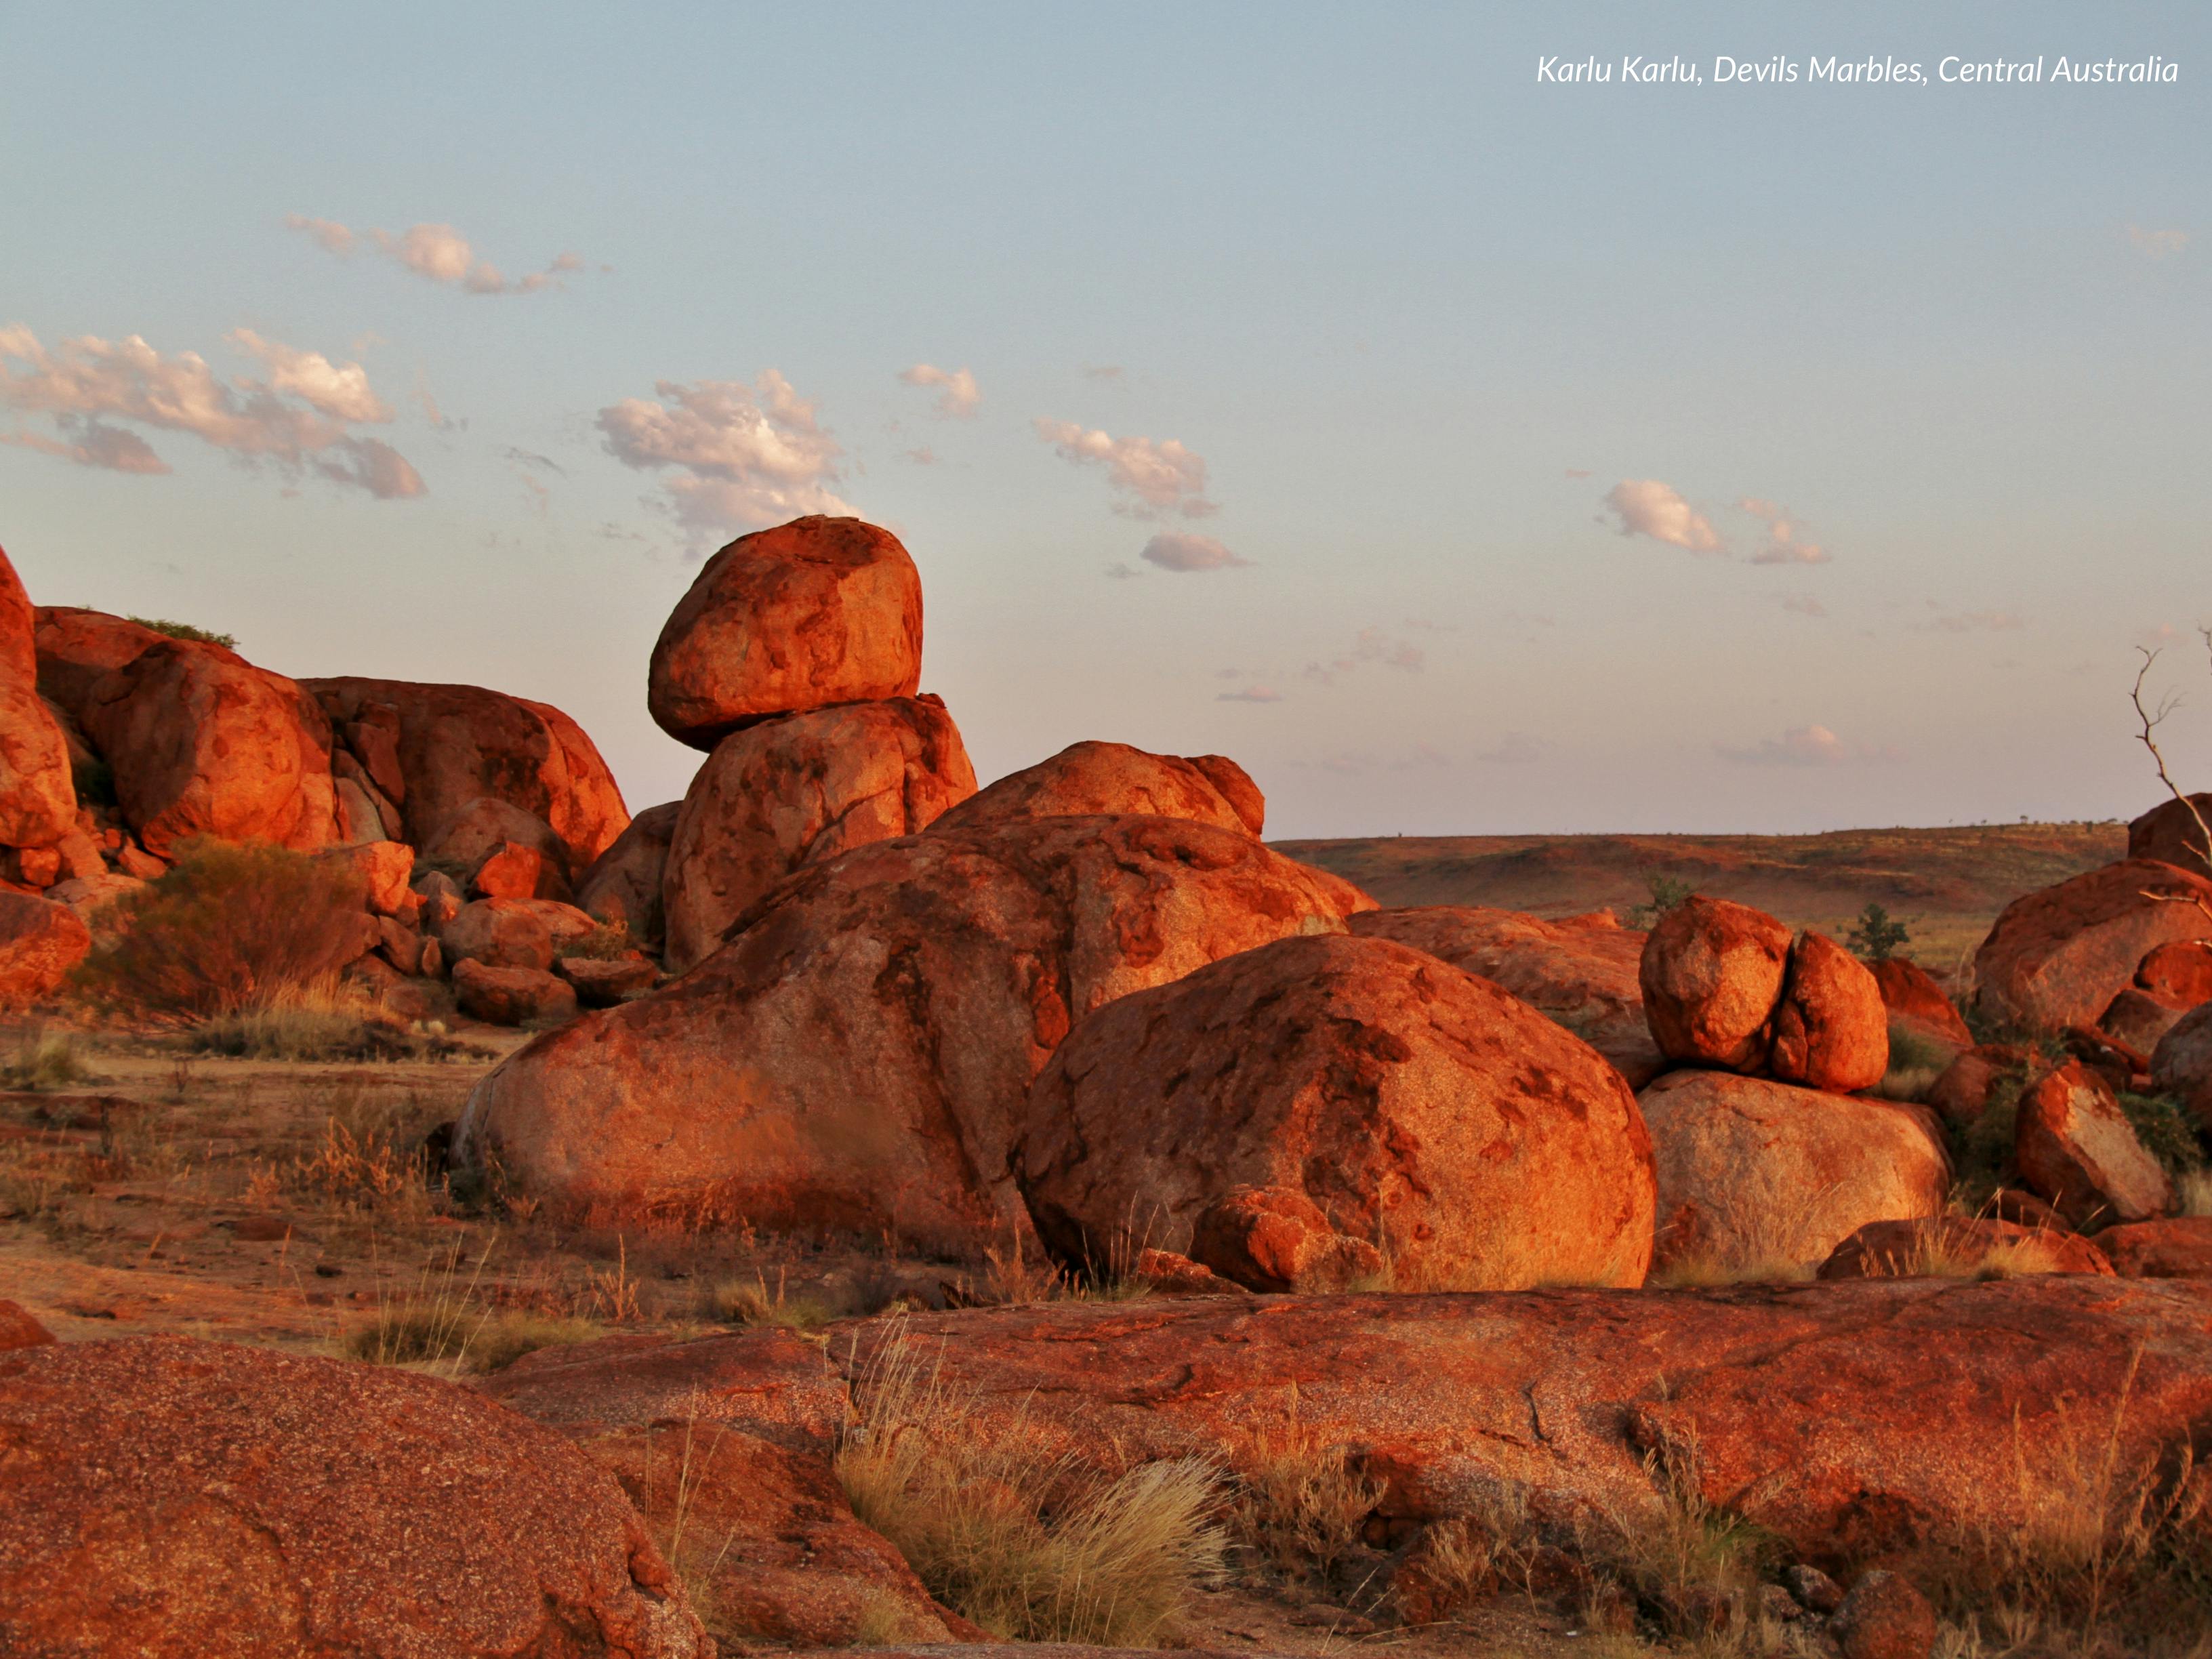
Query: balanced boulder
{"x": 1579, "y": 971}
{"x": 41, "y": 940}
{"x": 171, "y": 1496}
{"x": 1831, "y": 1028}
{"x": 1471, "y": 1141}
{"x": 793, "y": 791}
{"x": 1087, "y": 778}
{"x": 2058, "y": 956}
{"x": 37, "y": 797}
{"x": 2075, "y": 1147}
{"x": 858, "y": 1056}
{"x": 1712, "y": 973}
{"x": 1759, "y": 1177}
{"x": 816, "y": 611}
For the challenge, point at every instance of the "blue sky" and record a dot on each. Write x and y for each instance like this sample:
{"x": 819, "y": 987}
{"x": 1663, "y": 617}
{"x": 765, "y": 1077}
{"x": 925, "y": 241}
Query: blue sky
{"x": 1436, "y": 334}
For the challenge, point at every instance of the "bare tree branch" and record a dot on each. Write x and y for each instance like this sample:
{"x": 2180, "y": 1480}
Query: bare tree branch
{"x": 2149, "y": 736}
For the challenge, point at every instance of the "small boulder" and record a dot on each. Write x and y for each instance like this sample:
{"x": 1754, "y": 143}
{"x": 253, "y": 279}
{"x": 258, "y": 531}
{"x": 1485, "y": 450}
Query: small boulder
{"x": 2058, "y": 956}
{"x": 2075, "y": 1147}
{"x": 2178, "y": 974}
{"x": 1276, "y": 1238}
{"x": 2179, "y": 1247}
{"x": 1423, "y": 1111}
{"x": 483, "y": 827}
{"x": 796, "y": 790}
{"x": 513, "y": 933}
{"x": 2181, "y": 1064}
{"x": 2170, "y": 834}
{"x": 88, "y": 898}
{"x": 816, "y": 611}
{"x": 1959, "y": 1247}
{"x": 1962, "y": 1092}
{"x": 1162, "y": 1273}
{"x": 1087, "y": 778}
{"x": 1884, "y": 1617}
{"x": 383, "y": 869}
{"x": 1711, "y": 972}
{"x": 2137, "y": 1021}
{"x": 19, "y": 1330}
{"x": 623, "y": 886}
{"x": 512, "y": 996}
{"x": 601, "y": 984}
{"x": 40, "y": 941}
{"x": 1832, "y": 1027}
{"x": 1911, "y": 993}
{"x": 514, "y": 870}
{"x": 1757, "y": 1177}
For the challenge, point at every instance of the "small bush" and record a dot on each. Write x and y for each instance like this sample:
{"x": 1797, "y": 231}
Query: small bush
{"x": 734, "y": 1302}
{"x": 2166, "y": 1132}
{"x": 508, "y": 1335}
{"x": 1668, "y": 893}
{"x": 317, "y": 1021}
{"x": 1876, "y": 938}
{"x": 225, "y": 929}
{"x": 177, "y": 630}
{"x": 1300, "y": 1504}
{"x": 44, "y": 1062}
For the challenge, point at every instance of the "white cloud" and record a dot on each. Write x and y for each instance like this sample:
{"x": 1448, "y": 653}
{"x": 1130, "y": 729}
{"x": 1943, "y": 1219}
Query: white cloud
{"x": 1174, "y": 550}
{"x": 2157, "y": 244}
{"x": 1802, "y": 745}
{"x": 1154, "y": 479}
{"x": 748, "y": 456}
{"x": 1785, "y": 542}
{"x": 959, "y": 396}
{"x": 1648, "y": 508}
{"x": 438, "y": 253}
{"x": 1250, "y": 693}
{"x": 297, "y": 419}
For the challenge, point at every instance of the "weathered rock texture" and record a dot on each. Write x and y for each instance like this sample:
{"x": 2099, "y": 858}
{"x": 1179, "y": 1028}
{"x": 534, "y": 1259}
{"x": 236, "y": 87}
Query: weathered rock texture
{"x": 38, "y": 799}
{"x": 791, "y": 792}
{"x": 2180, "y": 1247}
{"x": 1275, "y": 1238}
{"x": 78, "y": 648}
{"x": 1474, "y": 1143}
{"x": 623, "y": 886}
{"x": 1911, "y": 995}
{"x": 168, "y": 1495}
{"x": 513, "y": 933}
{"x": 19, "y": 1330}
{"x": 816, "y": 611}
{"x": 859, "y": 1057}
{"x": 443, "y": 747}
{"x": 2182, "y": 1063}
{"x": 1755, "y": 1175}
{"x": 1711, "y": 972}
{"x": 40, "y": 941}
{"x": 1831, "y": 1028}
{"x": 512, "y": 996}
{"x": 1580, "y": 971}
{"x": 2058, "y": 956}
{"x": 1085, "y": 779}
{"x": 2075, "y": 1147}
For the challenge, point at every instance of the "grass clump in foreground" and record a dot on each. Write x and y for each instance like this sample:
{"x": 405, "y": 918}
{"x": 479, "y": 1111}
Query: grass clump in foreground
{"x": 1022, "y": 1538}
{"x": 440, "y": 1323}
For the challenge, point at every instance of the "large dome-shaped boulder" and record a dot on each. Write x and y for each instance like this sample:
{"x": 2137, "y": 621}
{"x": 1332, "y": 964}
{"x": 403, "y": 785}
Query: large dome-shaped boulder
{"x": 433, "y": 752}
{"x": 1711, "y": 972}
{"x": 797, "y": 790}
{"x": 2058, "y": 956}
{"x": 170, "y": 1496}
{"x": 812, "y": 612}
{"x": 1831, "y": 1028}
{"x": 2170, "y": 833}
{"x": 859, "y": 1057}
{"x": 38, "y": 799}
{"x": 1476, "y": 1144}
{"x": 1087, "y": 778}
{"x": 41, "y": 940}
{"x": 201, "y": 742}
{"x": 1577, "y": 970}
{"x": 623, "y": 886}
{"x": 1760, "y": 1177}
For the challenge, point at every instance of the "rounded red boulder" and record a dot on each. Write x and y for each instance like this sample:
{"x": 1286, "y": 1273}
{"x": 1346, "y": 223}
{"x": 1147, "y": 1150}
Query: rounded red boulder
{"x": 1112, "y": 777}
{"x": 1711, "y": 972}
{"x": 1831, "y": 1028}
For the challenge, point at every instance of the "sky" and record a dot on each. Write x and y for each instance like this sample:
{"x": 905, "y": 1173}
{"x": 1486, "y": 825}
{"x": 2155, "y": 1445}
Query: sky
{"x": 1461, "y": 451}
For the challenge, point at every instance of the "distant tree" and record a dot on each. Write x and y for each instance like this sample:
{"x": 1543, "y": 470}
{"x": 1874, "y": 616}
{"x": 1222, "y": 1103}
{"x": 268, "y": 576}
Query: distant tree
{"x": 1668, "y": 893}
{"x": 1876, "y": 938}
{"x": 177, "y": 630}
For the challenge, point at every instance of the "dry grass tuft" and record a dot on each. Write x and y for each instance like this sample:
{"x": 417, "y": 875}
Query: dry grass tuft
{"x": 444, "y": 1323}
{"x": 1018, "y": 1536}
{"x": 1695, "y": 1568}
{"x": 734, "y": 1302}
{"x": 1300, "y": 1504}
{"x": 44, "y": 1062}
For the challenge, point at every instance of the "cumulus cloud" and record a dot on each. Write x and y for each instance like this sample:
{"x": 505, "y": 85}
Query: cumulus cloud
{"x": 746, "y": 457}
{"x": 1152, "y": 480}
{"x": 1174, "y": 550}
{"x": 1802, "y": 745}
{"x": 1250, "y": 693}
{"x": 1646, "y": 507}
{"x": 297, "y": 418}
{"x": 957, "y": 396}
{"x": 1785, "y": 542}
{"x": 2157, "y": 244}
{"x": 438, "y": 253}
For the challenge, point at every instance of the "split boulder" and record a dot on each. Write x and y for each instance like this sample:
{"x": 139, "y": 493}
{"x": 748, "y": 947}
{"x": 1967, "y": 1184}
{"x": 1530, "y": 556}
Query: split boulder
{"x": 1711, "y": 972}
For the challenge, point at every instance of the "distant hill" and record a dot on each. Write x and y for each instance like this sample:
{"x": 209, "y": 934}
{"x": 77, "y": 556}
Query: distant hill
{"x": 1946, "y": 885}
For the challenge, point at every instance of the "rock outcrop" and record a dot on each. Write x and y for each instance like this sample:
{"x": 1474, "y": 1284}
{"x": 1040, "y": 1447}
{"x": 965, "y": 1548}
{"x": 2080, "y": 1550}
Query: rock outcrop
{"x": 1086, "y": 779}
{"x": 859, "y": 1055}
{"x": 2058, "y": 956}
{"x": 1476, "y": 1144}
{"x": 1579, "y": 971}
{"x": 168, "y": 1495}
{"x": 37, "y": 797}
{"x": 798, "y": 789}
{"x": 41, "y": 940}
{"x": 2179, "y": 1247}
{"x": 1759, "y": 1177}
{"x": 2076, "y": 1148}
{"x": 1711, "y": 972}
{"x": 816, "y": 611}
{"x": 623, "y": 886}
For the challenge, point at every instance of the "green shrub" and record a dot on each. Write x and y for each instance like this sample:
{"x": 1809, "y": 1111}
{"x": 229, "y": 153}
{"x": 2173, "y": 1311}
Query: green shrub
{"x": 2166, "y": 1132}
{"x": 1668, "y": 893}
{"x": 1876, "y": 938}
{"x": 177, "y": 630}
{"x": 225, "y": 929}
